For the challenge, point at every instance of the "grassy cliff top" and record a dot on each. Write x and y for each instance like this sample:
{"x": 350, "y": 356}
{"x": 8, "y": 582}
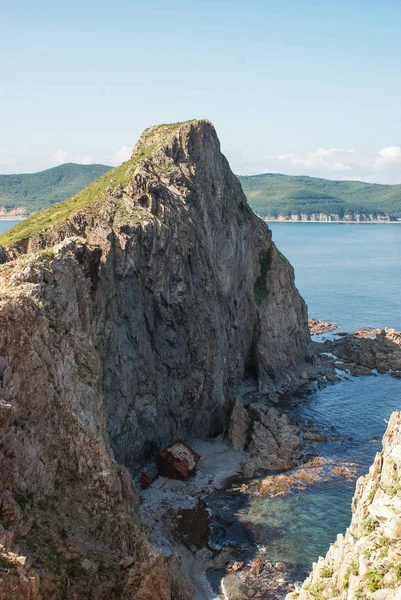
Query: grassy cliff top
{"x": 150, "y": 141}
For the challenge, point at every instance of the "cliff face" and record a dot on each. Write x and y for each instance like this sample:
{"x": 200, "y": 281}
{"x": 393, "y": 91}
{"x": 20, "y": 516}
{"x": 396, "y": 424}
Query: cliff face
{"x": 128, "y": 320}
{"x": 365, "y": 562}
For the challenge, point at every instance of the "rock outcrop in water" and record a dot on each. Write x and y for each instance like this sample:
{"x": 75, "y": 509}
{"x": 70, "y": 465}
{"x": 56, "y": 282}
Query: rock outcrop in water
{"x": 366, "y": 561}
{"x": 129, "y": 315}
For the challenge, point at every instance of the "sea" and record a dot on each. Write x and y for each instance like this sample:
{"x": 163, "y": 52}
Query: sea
{"x": 6, "y": 224}
{"x": 349, "y": 273}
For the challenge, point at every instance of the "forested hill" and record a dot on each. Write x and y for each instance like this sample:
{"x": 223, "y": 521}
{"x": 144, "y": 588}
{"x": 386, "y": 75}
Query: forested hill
{"x": 270, "y": 194}
{"x": 276, "y": 195}
{"x": 30, "y": 192}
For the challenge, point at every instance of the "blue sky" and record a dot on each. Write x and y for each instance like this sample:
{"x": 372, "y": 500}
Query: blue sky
{"x": 292, "y": 86}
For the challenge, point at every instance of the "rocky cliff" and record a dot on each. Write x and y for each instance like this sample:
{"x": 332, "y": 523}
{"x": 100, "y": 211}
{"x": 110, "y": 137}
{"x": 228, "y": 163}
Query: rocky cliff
{"x": 129, "y": 315}
{"x": 366, "y": 562}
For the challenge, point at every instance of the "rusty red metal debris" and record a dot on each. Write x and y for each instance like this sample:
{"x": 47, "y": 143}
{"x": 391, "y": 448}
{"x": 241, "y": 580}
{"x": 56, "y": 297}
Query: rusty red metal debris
{"x": 177, "y": 461}
{"x": 145, "y": 481}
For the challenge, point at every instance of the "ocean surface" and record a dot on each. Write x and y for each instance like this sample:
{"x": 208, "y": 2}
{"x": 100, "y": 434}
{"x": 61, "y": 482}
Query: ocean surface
{"x": 349, "y": 273}
{"x": 4, "y": 225}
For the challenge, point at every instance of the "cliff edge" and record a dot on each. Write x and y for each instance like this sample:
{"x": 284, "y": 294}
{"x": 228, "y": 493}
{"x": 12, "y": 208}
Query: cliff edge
{"x": 129, "y": 315}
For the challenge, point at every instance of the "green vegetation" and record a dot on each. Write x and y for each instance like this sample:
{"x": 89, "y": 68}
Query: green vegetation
{"x": 351, "y": 569}
{"x": 326, "y": 573}
{"x": 272, "y": 194}
{"x": 370, "y": 524}
{"x": 151, "y": 140}
{"x": 260, "y": 288}
{"x": 34, "y": 191}
{"x": 48, "y": 216}
{"x": 7, "y": 562}
{"x": 374, "y": 579}
{"x": 315, "y": 590}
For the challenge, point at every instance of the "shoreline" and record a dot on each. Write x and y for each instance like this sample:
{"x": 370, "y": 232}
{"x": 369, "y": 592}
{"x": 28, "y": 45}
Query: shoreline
{"x": 16, "y": 218}
{"x": 332, "y": 222}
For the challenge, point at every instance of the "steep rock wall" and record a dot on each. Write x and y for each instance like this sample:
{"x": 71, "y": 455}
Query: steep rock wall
{"x": 124, "y": 324}
{"x": 366, "y": 562}
{"x": 190, "y": 293}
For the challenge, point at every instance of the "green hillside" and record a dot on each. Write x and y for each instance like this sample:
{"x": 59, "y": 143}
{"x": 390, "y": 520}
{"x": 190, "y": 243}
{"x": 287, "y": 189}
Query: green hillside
{"x": 151, "y": 140}
{"x": 34, "y": 191}
{"x": 271, "y": 194}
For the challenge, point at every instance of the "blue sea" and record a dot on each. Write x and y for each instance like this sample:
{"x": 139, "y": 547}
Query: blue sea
{"x": 349, "y": 273}
{"x": 4, "y": 225}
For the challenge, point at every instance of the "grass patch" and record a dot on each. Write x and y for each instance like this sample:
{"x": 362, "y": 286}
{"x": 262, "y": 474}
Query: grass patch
{"x": 370, "y": 524}
{"x": 118, "y": 177}
{"x": 351, "y": 569}
{"x": 7, "y": 562}
{"x": 374, "y": 579}
{"x": 326, "y": 573}
{"x": 315, "y": 590}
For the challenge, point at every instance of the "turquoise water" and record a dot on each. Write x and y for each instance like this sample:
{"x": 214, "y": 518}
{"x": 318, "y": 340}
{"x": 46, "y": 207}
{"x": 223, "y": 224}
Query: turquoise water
{"x": 347, "y": 273}
{"x": 4, "y": 225}
{"x": 350, "y": 274}
{"x": 304, "y": 523}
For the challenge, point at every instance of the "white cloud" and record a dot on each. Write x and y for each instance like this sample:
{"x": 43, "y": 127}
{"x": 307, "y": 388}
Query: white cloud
{"x": 390, "y": 153}
{"x": 322, "y": 159}
{"x": 59, "y": 157}
{"x": 383, "y": 166}
{"x": 123, "y": 154}
{"x": 7, "y": 162}
{"x": 84, "y": 160}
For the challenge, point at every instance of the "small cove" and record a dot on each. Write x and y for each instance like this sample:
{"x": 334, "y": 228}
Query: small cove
{"x": 297, "y": 528}
{"x": 349, "y": 274}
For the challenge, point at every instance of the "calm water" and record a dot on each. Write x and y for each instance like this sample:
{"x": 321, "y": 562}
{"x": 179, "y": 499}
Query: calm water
{"x": 4, "y": 225}
{"x": 350, "y": 274}
{"x": 347, "y": 273}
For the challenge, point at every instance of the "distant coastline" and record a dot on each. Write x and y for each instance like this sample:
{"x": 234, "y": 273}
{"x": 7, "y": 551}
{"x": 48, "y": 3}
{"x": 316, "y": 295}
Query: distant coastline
{"x": 267, "y": 220}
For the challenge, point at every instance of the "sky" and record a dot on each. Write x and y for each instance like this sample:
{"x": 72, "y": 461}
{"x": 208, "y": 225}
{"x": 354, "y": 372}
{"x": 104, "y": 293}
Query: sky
{"x": 292, "y": 86}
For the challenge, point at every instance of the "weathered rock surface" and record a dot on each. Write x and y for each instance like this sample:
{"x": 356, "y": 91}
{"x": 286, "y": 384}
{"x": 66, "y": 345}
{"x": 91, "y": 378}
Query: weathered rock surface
{"x": 317, "y": 327}
{"x": 369, "y": 349}
{"x": 124, "y": 325}
{"x": 365, "y": 562}
{"x": 273, "y": 441}
{"x": 238, "y": 428}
